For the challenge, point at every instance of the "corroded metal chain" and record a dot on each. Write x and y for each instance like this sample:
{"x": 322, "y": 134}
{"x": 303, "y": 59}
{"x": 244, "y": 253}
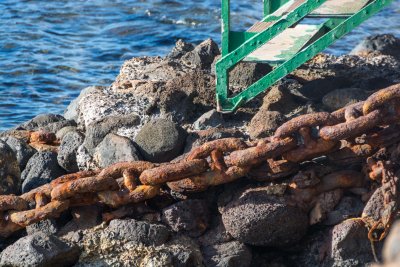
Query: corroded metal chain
{"x": 336, "y": 135}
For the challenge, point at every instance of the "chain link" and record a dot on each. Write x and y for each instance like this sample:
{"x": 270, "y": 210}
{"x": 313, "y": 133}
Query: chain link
{"x": 335, "y": 135}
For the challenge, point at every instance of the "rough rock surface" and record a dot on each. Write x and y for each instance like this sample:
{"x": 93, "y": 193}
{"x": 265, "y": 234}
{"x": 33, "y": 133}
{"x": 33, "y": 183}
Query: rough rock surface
{"x": 202, "y": 56}
{"x": 160, "y": 140}
{"x": 63, "y": 131}
{"x": 54, "y": 127}
{"x": 386, "y": 44}
{"x": 10, "y": 175}
{"x": 67, "y": 151}
{"x": 253, "y": 217}
{"x": 113, "y": 149}
{"x": 48, "y": 226}
{"x": 231, "y": 254}
{"x": 39, "y": 249}
{"x": 22, "y": 150}
{"x": 348, "y": 207}
{"x": 72, "y": 111}
{"x": 208, "y": 120}
{"x": 95, "y": 132}
{"x": 391, "y": 250}
{"x": 264, "y": 123}
{"x": 189, "y": 217}
{"x": 245, "y": 74}
{"x": 342, "y": 97}
{"x": 41, "y": 121}
{"x": 41, "y": 169}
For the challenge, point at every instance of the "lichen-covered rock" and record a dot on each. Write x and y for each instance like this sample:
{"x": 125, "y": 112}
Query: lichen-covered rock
{"x": 350, "y": 245}
{"x": 22, "y": 150}
{"x": 41, "y": 169}
{"x": 10, "y": 175}
{"x": 190, "y": 217}
{"x": 67, "y": 151}
{"x": 160, "y": 140}
{"x": 342, "y": 97}
{"x": 39, "y": 249}
{"x": 264, "y": 123}
{"x": 231, "y": 254}
{"x": 72, "y": 111}
{"x": 95, "y": 132}
{"x": 113, "y": 149}
{"x": 256, "y": 218}
{"x": 41, "y": 121}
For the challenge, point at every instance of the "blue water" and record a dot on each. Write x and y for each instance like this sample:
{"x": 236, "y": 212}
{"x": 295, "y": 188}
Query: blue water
{"x": 50, "y": 50}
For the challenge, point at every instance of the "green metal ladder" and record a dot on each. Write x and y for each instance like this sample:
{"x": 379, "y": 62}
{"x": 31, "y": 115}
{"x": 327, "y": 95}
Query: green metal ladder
{"x": 283, "y": 41}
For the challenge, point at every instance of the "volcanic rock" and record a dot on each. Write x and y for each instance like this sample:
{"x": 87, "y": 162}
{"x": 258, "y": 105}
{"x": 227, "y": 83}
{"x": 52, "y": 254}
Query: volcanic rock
{"x": 208, "y": 120}
{"x": 113, "y": 149}
{"x": 231, "y": 254}
{"x": 386, "y": 44}
{"x": 21, "y": 149}
{"x": 63, "y": 131}
{"x": 48, "y": 227}
{"x": 41, "y": 169}
{"x": 72, "y": 111}
{"x": 342, "y": 97}
{"x": 10, "y": 175}
{"x": 39, "y": 249}
{"x": 160, "y": 140}
{"x": 264, "y": 123}
{"x": 202, "y": 56}
{"x": 190, "y": 217}
{"x": 256, "y": 218}
{"x": 67, "y": 152}
{"x": 41, "y": 121}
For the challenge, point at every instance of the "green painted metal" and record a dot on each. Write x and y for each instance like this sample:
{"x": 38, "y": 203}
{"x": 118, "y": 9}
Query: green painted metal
{"x": 244, "y": 44}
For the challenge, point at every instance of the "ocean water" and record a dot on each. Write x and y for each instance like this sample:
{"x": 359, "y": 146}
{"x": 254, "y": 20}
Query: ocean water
{"x": 50, "y": 50}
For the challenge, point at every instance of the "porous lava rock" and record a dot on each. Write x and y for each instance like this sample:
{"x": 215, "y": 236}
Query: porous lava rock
{"x": 67, "y": 151}
{"x": 39, "y": 249}
{"x": 22, "y": 150}
{"x": 342, "y": 97}
{"x": 160, "y": 140}
{"x": 230, "y": 254}
{"x": 41, "y": 169}
{"x": 41, "y": 121}
{"x": 256, "y": 218}
{"x": 264, "y": 123}
{"x": 10, "y": 175}
{"x": 190, "y": 217}
{"x": 386, "y": 44}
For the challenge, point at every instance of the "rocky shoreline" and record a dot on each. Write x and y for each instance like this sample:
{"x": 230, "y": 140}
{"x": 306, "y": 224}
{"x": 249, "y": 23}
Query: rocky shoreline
{"x": 160, "y": 108}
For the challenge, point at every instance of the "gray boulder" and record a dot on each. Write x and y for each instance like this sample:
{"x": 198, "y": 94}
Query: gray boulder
{"x": 10, "y": 175}
{"x": 39, "y": 249}
{"x": 113, "y": 149}
{"x": 190, "y": 217}
{"x": 180, "y": 49}
{"x": 54, "y": 127}
{"x": 256, "y": 218}
{"x": 342, "y": 97}
{"x": 63, "y": 131}
{"x": 160, "y": 140}
{"x": 202, "y": 56}
{"x": 41, "y": 121}
{"x": 22, "y": 150}
{"x": 67, "y": 152}
{"x": 138, "y": 231}
{"x": 231, "y": 254}
{"x": 96, "y": 131}
{"x": 42, "y": 168}
{"x": 71, "y": 112}
{"x": 386, "y": 44}
{"x": 208, "y": 120}
{"x": 48, "y": 226}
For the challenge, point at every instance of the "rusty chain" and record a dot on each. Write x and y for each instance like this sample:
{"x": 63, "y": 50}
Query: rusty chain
{"x": 354, "y": 132}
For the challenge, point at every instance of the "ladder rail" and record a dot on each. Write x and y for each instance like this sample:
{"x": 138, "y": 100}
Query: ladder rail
{"x": 338, "y": 27}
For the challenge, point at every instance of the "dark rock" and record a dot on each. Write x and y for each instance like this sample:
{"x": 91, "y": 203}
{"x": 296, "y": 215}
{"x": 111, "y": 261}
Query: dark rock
{"x": 96, "y": 131}
{"x": 54, "y": 127}
{"x": 67, "y": 151}
{"x": 342, "y": 97}
{"x": 197, "y": 138}
{"x": 41, "y": 121}
{"x": 180, "y": 49}
{"x": 185, "y": 252}
{"x": 316, "y": 89}
{"x": 386, "y": 44}
{"x": 279, "y": 98}
{"x": 348, "y": 207}
{"x": 84, "y": 217}
{"x": 256, "y": 218}
{"x": 63, "y": 131}
{"x": 231, "y": 254}
{"x": 375, "y": 206}
{"x": 215, "y": 235}
{"x": 39, "y": 249}
{"x": 391, "y": 250}
{"x": 21, "y": 149}
{"x": 190, "y": 217}
{"x": 202, "y": 56}
{"x": 264, "y": 123}
{"x": 160, "y": 140}
{"x": 10, "y": 175}
{"x": 71, "y": 112}
{"x": 245, "y": 74}
{"x": 48, "y": 226}
{"x": 208, "y": 120}
{"x": 350, "y": 245}
{"x": 113, "y": 149}
{"x": 138, "y": 231}
{"x": 41, "y": 169}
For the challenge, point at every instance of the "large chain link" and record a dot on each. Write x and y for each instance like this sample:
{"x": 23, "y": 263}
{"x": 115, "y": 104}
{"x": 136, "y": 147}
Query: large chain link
{"x": 303, "y": 138}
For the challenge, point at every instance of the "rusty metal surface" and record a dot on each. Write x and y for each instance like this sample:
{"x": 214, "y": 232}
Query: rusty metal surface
{"x": 351, "y": 134}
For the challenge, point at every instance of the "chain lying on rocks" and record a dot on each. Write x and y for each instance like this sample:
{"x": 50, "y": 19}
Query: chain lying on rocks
{"x": 348, "y": 134}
